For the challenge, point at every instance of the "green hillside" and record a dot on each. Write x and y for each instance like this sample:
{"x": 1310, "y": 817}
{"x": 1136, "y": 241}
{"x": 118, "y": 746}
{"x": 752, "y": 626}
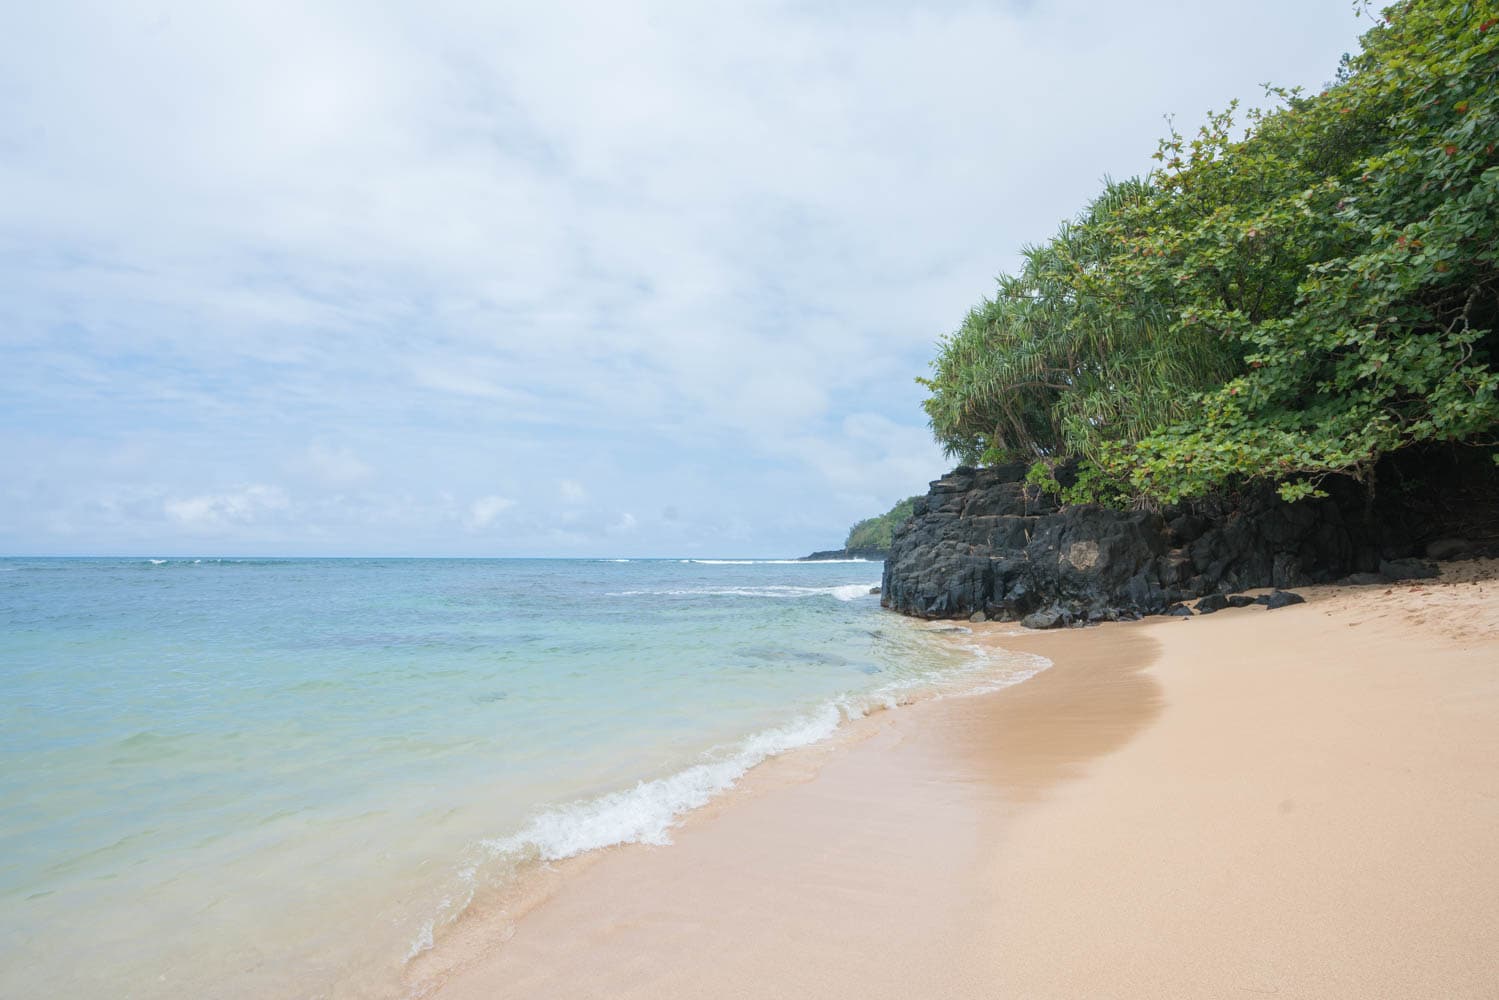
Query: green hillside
{"x": 874, "y": 533}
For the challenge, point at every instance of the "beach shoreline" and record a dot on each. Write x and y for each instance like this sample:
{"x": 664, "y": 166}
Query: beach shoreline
{"x": 1227, "y": 805}
{"x": 487, "y": 922}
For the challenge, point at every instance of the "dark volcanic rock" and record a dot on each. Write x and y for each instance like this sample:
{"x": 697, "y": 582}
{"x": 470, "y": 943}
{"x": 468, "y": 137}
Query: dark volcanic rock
{"x": 1179, "y": 611}
{"x": 1211, "y": 603}
{"x": 873, "y": 555}
{"x": 1283, "y": 599}
{"x": 1187, "y": 529}
{"x": 983, "y": 540}
{"x": 1052, "y": 617}
{"x": 1240, "y": 601}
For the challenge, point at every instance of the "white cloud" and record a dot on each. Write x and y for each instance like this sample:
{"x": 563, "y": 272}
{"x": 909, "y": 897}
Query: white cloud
{"x": 219, "y": 510}
{"x": 697, "y": 250}
{"x": 483, "y": 511}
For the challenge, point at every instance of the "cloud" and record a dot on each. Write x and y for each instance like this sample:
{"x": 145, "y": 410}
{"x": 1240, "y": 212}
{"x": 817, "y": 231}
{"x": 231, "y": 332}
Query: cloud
{"x": 571, "y": 491}
{"x": 336, "y": 467}
{"x": 483, "y": 511}
{"x": 693, "y": 254}
{"x": 220, "y": 510}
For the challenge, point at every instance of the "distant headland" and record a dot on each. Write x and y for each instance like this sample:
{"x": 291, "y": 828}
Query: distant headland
{"x": 870, "y": 538}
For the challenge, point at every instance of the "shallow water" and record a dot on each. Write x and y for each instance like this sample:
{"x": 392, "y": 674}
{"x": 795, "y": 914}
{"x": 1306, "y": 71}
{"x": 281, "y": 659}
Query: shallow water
{"x": 285, "y": 777}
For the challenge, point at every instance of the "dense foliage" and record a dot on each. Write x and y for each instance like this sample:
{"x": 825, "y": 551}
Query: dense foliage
{"x": 1296, "y": 299}
{"x": 874, "y": 533}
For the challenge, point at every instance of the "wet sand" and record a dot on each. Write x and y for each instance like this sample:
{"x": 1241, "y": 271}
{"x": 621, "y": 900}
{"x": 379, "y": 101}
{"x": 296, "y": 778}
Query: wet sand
{"x": 1298, "y": 803}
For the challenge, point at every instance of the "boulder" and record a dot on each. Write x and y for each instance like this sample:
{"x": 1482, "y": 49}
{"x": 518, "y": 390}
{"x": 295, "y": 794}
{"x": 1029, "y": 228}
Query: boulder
{"x": 1052, "y": 617}
{"x": 978, "y": 616}
{"x": 1179, "y": 611}
{"x": 1211, "y": 603}
{"x": 1240, "y": 601}
{"x": 1283, "y": 599}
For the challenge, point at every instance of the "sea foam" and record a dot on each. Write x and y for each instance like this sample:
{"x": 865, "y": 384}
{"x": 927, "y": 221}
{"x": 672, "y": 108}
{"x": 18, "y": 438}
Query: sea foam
{"x": 843, "y": 592}
{"x": 769, "y": 562}
{"x": 643, "y": 814}
{"x": 646, "y": 813}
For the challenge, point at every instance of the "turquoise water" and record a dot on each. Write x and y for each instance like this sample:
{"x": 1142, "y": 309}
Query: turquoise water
{"x": 286, "y": 777}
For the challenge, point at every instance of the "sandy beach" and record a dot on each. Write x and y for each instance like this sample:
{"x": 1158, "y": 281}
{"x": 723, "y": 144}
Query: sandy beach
{"x": 1297, "y": 803}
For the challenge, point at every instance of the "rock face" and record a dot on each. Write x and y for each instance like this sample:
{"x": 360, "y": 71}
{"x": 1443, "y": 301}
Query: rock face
{"x": 982, "y": 540}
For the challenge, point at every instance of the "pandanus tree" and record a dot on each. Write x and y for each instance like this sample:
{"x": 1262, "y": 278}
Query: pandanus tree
{"x": 1061, "y": 361}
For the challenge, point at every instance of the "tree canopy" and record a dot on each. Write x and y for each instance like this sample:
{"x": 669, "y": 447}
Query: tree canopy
{"x": 874, "y": 533}
{"x": 1294, "y": 292}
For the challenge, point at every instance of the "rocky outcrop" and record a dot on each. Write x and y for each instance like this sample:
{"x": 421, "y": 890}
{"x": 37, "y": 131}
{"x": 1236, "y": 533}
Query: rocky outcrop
{"x": 873, "y": 555}
{"x": 982, "y": 540}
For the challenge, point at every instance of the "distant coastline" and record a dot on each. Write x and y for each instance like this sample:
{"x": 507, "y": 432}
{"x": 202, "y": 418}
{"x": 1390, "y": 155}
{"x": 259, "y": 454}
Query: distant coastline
{"x": 870, "y": 538}
{"x": 846, "y": 555}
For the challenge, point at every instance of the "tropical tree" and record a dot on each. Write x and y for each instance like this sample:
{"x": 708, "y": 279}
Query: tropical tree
{"x": 1059, "y": 362}
{"x": 1289, "y": 301}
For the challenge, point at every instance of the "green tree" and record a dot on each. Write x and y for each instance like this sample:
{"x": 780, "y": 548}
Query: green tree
{"x": 875, "y": 533}
{"x": 1289, "y": 301}
{"x": 1061, "y": 361}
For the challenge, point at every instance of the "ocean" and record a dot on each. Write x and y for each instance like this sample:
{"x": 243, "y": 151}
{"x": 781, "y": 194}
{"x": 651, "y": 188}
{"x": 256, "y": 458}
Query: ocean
{"x": 268, "y": 777}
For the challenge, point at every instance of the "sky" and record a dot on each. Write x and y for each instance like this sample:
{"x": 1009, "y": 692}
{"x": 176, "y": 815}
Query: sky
{"x": 539, "y": 279}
